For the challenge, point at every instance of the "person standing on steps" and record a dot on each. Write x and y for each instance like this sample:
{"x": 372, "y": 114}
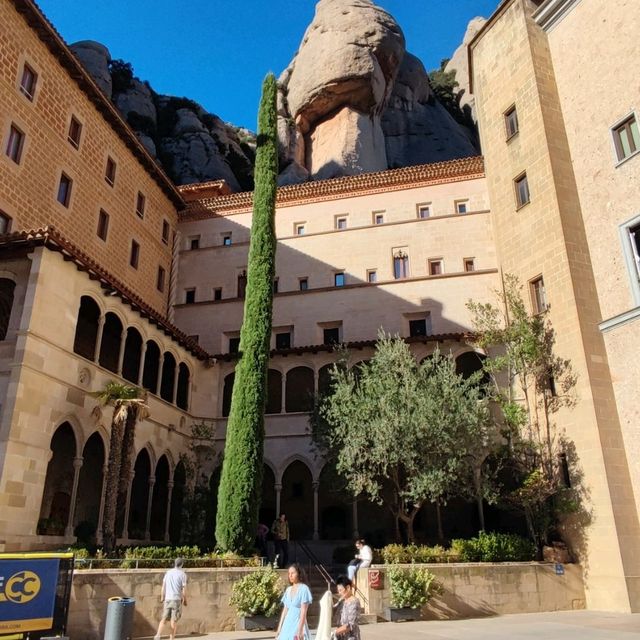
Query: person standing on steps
{"x": 280, "y": 530}
{"x": 173, "y": 597}
{"x": 296, "y": 601}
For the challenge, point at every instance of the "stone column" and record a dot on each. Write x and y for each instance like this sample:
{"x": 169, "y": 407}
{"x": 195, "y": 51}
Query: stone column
{"x": 175, "y": 383}
{"x": 143, "y": 353}
{"x": 127, "y": 506}
{"x": 77, "y": 465}
{"x": 96, "y": 353}
{"x": 278, "y": 488}
{"x": 147, "y": 527}
{"x": 123, "y": 344}
{"x": 283, "y": 406}
{"x": 356, "y": 533}
{"x": 160, "y": 368}
{"x": 316, "y": 532}
{"x": 316, "y": 377}
{"x": 168, "y": 517}
{"x": 99, "y": 539}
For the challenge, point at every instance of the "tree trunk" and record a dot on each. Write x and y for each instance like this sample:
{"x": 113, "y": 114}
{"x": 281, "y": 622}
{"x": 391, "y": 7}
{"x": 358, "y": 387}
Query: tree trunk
{"x": 480, "y": 503}
{"x": 111, "y": 490}
{"x": 125, "y": 465}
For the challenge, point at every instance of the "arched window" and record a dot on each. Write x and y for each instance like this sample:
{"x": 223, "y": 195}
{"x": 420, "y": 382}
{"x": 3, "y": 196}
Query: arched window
{"x": 132, "y": 352}
{"x": 177, "y": 498}
{"x": 168, "y": 377}
{"x": 299, "y": 394}
{"x": 470, "y": 362}
{"x": 110, "y": 345}
{"x": 151, "y": 367}
{"x": 159, "y": 500}
{"x": 227, "y": 393}
{"x": 274, "y": 392}
{"x": 90, "y": 484}
{"x": 84, "y": 343}
{"x": 139, "y": 496}
{"x": 182, "y": 398}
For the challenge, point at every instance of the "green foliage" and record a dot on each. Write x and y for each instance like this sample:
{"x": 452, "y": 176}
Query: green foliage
{"x": 412, "y": 587}
{"x": 494, "y": 547}
{"x": 418, "y": 554}
{"x": 258, "y": 593}
{"x": 240, "y": 485}
{"x": 121, "y": 75}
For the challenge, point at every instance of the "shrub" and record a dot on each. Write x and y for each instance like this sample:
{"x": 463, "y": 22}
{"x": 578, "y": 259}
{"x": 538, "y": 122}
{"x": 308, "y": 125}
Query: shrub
{"x": 495, "y": 547}
{"x": 413, "y": 553}
{"x": 412, "y": 587}
{"x": 258, "y": 593}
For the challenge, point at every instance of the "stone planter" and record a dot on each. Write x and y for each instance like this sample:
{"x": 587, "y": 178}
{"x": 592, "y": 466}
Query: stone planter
{"x": 257, "y": 623}
{"x": 401, "y": 614}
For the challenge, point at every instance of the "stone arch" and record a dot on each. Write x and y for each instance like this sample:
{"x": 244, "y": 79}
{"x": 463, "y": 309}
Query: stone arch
{"x": 177, "y": 500}
{"x": 87, "y": 512}
{"x": 111, "y": 340}
{"x": 299, "y": 390}
{"x": 227, "y": 392}
{"x": 138, "y": 503}
{"x": 296, "y": 498}
{"x": 84, "y": 342}
{"x": 274, "y": 391}
{"x": 159, "y": 500}
{"x": 184, "y": 378}
{"x": 468, "y": 363}
{"x": 132, "y": 354}
{"x": 151, "y": 366}
{"x": 167, "y": 384}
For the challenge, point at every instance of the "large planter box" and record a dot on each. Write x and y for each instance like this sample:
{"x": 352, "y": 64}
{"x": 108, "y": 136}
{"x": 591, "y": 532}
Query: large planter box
{"x": 257, "y": 623}
{"x": 402, "y": 614}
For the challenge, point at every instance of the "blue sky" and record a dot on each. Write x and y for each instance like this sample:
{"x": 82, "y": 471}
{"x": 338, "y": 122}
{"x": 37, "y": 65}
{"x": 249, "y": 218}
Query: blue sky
{"x": 217, "y": 51}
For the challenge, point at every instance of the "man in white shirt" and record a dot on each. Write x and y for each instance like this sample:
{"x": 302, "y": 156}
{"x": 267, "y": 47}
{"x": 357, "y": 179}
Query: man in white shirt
{"x": 174, "y": 597}
{"x": 363, "y": 559}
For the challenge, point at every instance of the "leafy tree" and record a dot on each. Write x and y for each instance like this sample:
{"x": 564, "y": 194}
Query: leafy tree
{"x": 121, "y": 75}
{"x": 240, "y": 484}
{"x": 398, "y": 430}
{"x": 129, "y": 406}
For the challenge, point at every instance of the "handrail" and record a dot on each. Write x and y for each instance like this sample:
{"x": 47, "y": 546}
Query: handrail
{"x": 318, "y": 566}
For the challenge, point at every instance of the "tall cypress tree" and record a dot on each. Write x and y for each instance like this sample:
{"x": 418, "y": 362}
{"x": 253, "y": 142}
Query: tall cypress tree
{"x": 241, "y": 481}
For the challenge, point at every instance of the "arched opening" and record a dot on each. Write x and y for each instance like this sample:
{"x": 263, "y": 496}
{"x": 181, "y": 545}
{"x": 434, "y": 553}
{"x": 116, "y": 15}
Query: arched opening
{"x": 151, "y": 367}
{"x": 358, "y": 369}
{"x": 168, "y": 377}
{"x": 469, "y": 363}
{"x": 334, "y": 506}
{"x": 299, "y": 394}
{"x": 139, "y": 496}
{"x": 84, "y": 343}
{"x": 296, "y": 500}
{"x": 110, "y": 345}
{"x": 274, "y": 391}
{"x": 227, "y": 392}
{"x": 132, "y": 353}
{"x": 159, "y": 500}
{"x": 177, "y": 500}
{"x": 7, "y": 288}
{"x": 90, "y": 489}
{"x": 212, "y": 506}
{"x": 268, "y": 501}
{"x": 182, "y": 397}
{"x": 58, "y": 484}
{"x": 324, "y": 380}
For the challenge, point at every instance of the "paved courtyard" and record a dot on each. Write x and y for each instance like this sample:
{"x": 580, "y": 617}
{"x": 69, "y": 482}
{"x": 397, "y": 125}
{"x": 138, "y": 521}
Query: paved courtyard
{"x": 564, "y": 625}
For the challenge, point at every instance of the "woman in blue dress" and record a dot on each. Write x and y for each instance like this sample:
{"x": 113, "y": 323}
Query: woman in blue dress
{"x": 296, "y": 601}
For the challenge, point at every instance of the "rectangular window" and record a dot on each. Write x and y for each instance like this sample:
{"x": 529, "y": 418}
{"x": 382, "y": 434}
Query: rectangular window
{"x": 275, "y": 285}
{"x": 64, "y": 190}
{"x": 160, "y": 279}
{"x": 378, "y": 217}
{"x": 226, "y": 240}
{"x": 338, "y": 279}
{"x": 469, "y": 264}
{"x": 134, "y": 257}
{"x": 283, "y": 340}
{"x": 400, "y": 265}
{"x": 511, "y": 121}
{"x": 436, "y": 267}
{"x": 522, "y": 190}
{"x": 304, "y": 284}
{"x": 189, "y": 296}
{"x": 633, "y": 232}
{"x": 462, "y": 206}
{"x": 341, "y": 222}
{"x": 217, "y": 293}
{"x": 75, "y": 131}
{"x": 110, "y": 171}
{"x": 242, "y": 284}
{"x": 424, "y": 211}
{"x": 538, "y": 295}
{"x": 141, "y": 202}
{"x": 418, "y": 327}
{"x": 372, "y": 275}
{"x": 15, "y": 144}
{"x": 28, "y": 81}
{"x": 234, "y": 345}
{"x": 299, "y": 228}
{"x": 5, "y": 223}
{"x": 194, "y": 243}
{"x": 331, "y": 335}
{"x": 626, "y": 138}
{"x": 165, "y": 232}
{"x": 103, "y": 225}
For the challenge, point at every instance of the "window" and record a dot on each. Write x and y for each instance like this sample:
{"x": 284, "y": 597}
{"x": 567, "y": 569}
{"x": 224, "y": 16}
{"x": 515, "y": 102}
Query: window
{"x": 511, "y": 121}
{"x": 522, "y": 190}
{"x": 341, "y": 222}
{"x": 469, "y": 264}
{"x": 372, "y": 275}
{"x": 304, "y": 284}
{"x": 378, "y": 217}
{"x": 275, "y": 285}
{"x": 64, "y": 190}
{"x": 626, "y": 138}
{"x": 538, "y": 295}
{"x": 299, "y": 228}
{"x": 189, "y": 296}
{"x": 110, "y": 171}
{"x": 283, "y": 340}
{"x": 103, "y": 225}
{"x": 134, "y": 257}
{"x": 5, "y": 223}
{"x": 630, "y": 233}
{"x": 424, "y": 211}
{"x": 217, "y": 293}
{"x": 462, "y": 206}
{"x": 400, "y": 265}
{"x": 75, "y": 131}
{"x": 242, "y": 284}
{"x": 194, "y": 242}
{"x": 338, "y": 279}
{"x": 436, "y": 267}
{"x": 160, "y": 279}
{"x": 226, "y": 240}
{"x": 165, "y": 232}
{"x": 15, "y": 144}
{"x": 28, "y": 81}
{"x": 331, "y": 335}
{"x": 234, "y": 345}
{"x": 418, "y": 327}
{"x": 140, "y": 204}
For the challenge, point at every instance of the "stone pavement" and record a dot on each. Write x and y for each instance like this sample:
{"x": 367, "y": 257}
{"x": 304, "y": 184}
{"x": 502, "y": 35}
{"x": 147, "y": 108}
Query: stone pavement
{"x": 562, "y": 625}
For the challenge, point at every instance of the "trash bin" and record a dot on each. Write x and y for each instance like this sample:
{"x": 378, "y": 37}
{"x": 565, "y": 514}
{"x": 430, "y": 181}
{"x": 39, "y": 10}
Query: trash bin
{"x": 119, "y": 624}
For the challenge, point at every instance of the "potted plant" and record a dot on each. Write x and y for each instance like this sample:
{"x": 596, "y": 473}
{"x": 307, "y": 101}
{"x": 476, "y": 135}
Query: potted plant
{"x": 256, "y": 599}
{"x": 410, "y": 589}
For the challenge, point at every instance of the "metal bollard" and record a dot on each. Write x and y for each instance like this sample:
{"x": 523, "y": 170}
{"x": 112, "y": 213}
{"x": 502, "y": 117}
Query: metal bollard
{"x": 119, "y": 624}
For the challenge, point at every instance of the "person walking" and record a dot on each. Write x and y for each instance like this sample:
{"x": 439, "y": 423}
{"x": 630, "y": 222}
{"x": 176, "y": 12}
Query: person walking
{"x": 296, "y": 601}
{"x": 363, "y": 559}
{"x": 173, "y": 597}
{"x": 348, "y": 629}
{"x": 280, "y": 530}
